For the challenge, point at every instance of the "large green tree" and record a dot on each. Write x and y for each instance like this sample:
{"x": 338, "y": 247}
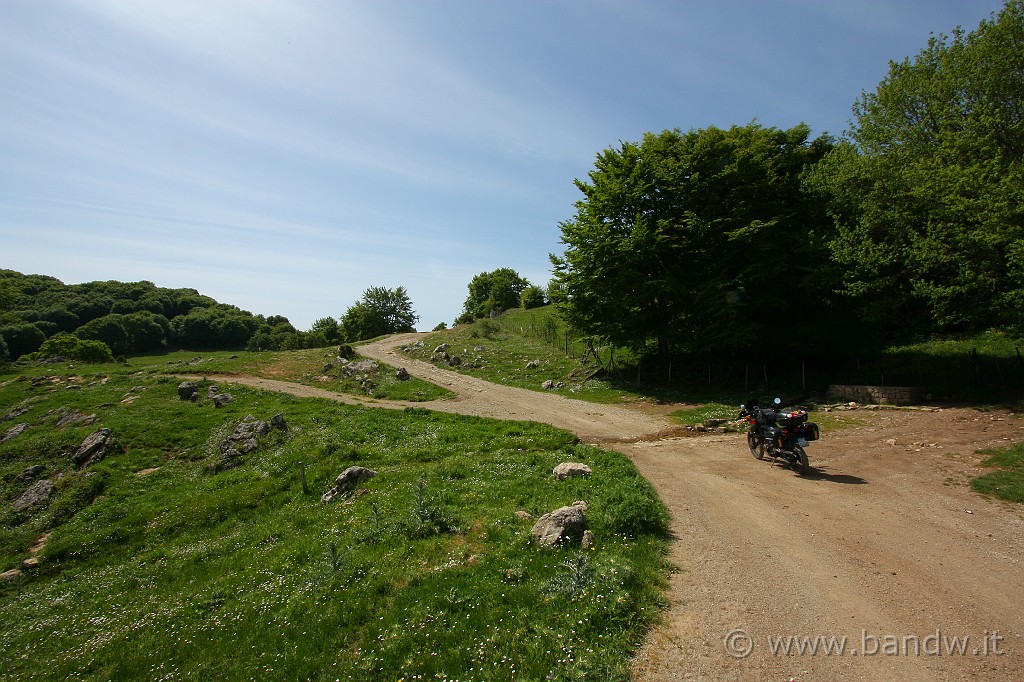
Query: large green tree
{"x": 696, "y": 240}
{"x": 927, "y": 192}
{"x": 380, "y": 311}
{"x": 494, "y": 291}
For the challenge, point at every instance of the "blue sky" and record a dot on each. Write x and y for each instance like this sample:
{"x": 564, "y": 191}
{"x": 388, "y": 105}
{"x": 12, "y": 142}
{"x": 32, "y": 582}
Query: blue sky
{"x": 283, "y": 156}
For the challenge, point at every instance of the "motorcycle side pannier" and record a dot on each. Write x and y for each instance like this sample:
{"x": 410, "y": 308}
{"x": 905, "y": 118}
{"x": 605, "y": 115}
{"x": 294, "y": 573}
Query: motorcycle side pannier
{"x": 810, "y": 431}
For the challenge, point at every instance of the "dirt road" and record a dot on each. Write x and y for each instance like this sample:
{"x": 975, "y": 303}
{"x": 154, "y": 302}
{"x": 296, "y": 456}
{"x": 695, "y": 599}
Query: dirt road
{"x": 883, "y": 559}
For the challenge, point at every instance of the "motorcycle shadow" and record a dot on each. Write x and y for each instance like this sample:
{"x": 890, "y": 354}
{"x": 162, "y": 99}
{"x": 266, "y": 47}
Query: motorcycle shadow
{"x": 822, "y": 474}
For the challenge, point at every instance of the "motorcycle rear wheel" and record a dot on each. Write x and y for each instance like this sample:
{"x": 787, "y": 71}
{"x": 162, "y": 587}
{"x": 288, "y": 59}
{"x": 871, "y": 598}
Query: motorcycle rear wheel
{"x": 802, "y": 466}
{"x": 756, "y": 445}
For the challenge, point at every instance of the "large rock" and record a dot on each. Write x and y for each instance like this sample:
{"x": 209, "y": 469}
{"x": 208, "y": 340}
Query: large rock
{"x": 30, "y": 474}
{"x": 245, "y": 438}
{"x": 347, "y": 481}
{"x": 188, "y": 391}
{"x": 92, "y": 449}
{"x": 571, "y": 470}
{"x": 564, "y": 525}
{"x": 39, "y": 492}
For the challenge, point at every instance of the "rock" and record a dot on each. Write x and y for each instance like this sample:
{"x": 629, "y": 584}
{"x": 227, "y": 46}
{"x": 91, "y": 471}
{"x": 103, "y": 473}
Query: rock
{"x": 71, "y": 417}
{"x": 345, "y": 352}
{"x": 533, "y": 364}
{"x": 212, "y": 391}
{"x": 39, "y": 492}
{"x": 364, "y": 367}
{"x": 443, "y": 348}
{"x": 92, "y": 449}
{"x": 222, "y": 399}
{"x": 13, "y": 432}
{"x": 188, "y": 391}
{"x": 454, "y": 361}
{"x": 891, "y": 441}
{"x": 10, "y": 576}
{"x": 347, "y": 480}
{"x": 402, "y": 374}
{"x": 30, "y": 474}
{"x": 587, "y": 541}
{"x": 548, "y": 385}
{"x": 571, "y": 470}
{"x": 524, "y": 515}
{"x": 31, "y": 562}
{"x": 278, "y": 422}
{"x": 566, "y": 524}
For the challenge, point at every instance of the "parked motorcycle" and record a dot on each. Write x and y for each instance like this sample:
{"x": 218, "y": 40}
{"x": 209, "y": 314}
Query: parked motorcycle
{"x": 779, "y": 433}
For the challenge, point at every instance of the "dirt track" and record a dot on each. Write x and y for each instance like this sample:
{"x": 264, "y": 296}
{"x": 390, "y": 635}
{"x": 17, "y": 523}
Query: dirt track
{"x": 884, "y": 545}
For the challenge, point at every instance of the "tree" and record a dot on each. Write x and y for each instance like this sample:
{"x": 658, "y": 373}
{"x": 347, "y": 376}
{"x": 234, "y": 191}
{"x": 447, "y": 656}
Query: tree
{"x": 21, "y": 338}
{"x": 109, "y": 329}
{"x": 532, "y": 297}
{"x": 328, "y": 327}
{"x": 380, "y": 311}
{"x": 927, "y": 193}
{"x": 493, "y": 291}
{"x": 694, "y": 240}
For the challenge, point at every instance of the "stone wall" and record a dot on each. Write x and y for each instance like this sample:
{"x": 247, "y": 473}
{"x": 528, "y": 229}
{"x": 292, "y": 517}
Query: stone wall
{"x": 881, "y": 395}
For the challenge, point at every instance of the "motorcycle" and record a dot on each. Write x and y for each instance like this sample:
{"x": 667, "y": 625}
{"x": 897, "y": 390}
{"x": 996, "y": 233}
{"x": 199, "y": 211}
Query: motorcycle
{"x": 779, "y": 433}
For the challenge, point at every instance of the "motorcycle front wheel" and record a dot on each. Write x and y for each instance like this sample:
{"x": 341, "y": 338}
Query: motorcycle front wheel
{"x": 756, "y": 445}
{"x": 801, "y": 464}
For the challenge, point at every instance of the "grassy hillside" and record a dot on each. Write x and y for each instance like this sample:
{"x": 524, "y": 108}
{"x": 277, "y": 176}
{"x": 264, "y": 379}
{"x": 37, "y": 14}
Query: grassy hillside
{"x": 156, "y": 563}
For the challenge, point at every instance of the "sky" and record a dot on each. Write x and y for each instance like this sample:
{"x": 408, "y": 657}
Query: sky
{"x": 283, "y": 156}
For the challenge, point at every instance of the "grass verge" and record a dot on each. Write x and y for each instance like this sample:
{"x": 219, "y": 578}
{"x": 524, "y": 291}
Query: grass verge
{"x": 1007, "y": 482}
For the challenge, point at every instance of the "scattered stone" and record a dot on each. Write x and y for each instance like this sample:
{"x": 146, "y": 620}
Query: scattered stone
{"x": 346, "y": 352}
{"x": 188, "y": 391}
{"x": 222, "y": 399}
{"x": 278, "y": 422}
{"x": 566, "y": 524}
{"x": 346, "y": 481}
{"x": 533, "y": 364}
{"x": 571, "y": 470}
{"x": 38, "y": 493}
{"x": 454, "y": 361}
{"x": 30, "y": 474}
{"x": 243, "y": 440}
{"x": 402, "y": 374}
{"x": 551, "y": 384}
{"x": 443, "y": 348}
{"x": 891, "y": 441}
{"x": 31, "y": 562}
{"x": 92, "y": 449}
{"x": 212, "y": 391}
{"x": 13, "y": 432}
{"x": 587, "y": 541}
{"x": 524, "y": 515}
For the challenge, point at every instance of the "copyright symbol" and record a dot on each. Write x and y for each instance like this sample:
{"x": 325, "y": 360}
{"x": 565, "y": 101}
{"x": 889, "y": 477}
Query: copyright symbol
{"x": 739, "y": 644}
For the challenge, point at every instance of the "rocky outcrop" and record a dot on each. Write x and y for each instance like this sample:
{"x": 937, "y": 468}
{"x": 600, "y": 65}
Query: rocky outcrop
{"x": 92, "y": 449}
{"x": 37, "y": 494}
{"x": 187, "y": 390}
{"x": 347, "y": 481}
{"x": 13, "y": 432}
{"x": 245, "y": 438}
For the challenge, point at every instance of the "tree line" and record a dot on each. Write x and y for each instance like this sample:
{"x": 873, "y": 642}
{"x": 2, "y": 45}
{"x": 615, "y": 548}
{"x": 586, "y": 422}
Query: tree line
{"x": 754, "y": 237}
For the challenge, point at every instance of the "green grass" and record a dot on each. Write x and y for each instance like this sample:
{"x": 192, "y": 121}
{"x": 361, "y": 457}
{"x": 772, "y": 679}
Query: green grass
{"x": 1007, "y": 482}
{"x": 182, "y": 572}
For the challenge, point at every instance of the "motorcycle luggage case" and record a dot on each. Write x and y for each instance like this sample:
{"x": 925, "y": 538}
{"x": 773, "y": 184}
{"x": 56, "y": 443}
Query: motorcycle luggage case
{"x": 791, "y": 417}
{"x": 810, "y": 431}
{"x": 773, "y": 435}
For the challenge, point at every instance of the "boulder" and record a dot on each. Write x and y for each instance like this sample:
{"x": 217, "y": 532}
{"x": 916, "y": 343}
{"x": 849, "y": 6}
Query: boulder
{"x": 39, "y": 492}
{"x": 571, "y": 470}
{"x": 30, "y": 474}
{"x": 563, "y": 525}
{"x": 212, "y": 391}
{"x": 346, "y": 482}
{"x": 188, "y": 391}
{"x": 533, "y": 364}
{"x": 278, "y": 422}
{"x": 345, "y": 352}
{"x": 222, "y": 399}
{"x": 10, "y": 576}
{"x": 92, "y": 449}
{"x": 402, "y": 374}
{"x": 72, "y": 417}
